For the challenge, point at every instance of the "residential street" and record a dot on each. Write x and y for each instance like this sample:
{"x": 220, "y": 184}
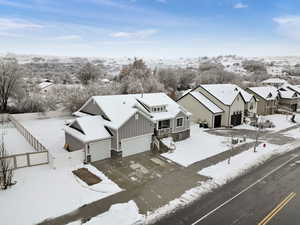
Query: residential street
{"x": 250, "y": 199}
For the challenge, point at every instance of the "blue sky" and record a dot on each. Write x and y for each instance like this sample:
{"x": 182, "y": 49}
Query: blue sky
{"x": 150, "y": 28}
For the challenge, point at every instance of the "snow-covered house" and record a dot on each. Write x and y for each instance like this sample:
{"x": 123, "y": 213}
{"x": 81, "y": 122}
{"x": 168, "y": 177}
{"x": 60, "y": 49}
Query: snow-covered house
{"x": 125, "y": 124}
{"x": 275, "y": 82}
{"x": 289, "y": 97}
{"x": 218, "y": 104}
{"x": 46, "y": 86}
{"x": 267, "y": 97}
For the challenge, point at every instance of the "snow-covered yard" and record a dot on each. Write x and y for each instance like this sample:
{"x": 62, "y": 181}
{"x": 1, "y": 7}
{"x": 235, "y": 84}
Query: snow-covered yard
{"x": 42, "y": 192}
{"x": 293, "y": 133}
{"x": 223, "y": 172}
{"x": 280, "y": 121}
{"x": 49, "y": 131}
{"x": 124, "y": 213}
{"x": 15, "y": 143}
{"x": 200, "y": 145}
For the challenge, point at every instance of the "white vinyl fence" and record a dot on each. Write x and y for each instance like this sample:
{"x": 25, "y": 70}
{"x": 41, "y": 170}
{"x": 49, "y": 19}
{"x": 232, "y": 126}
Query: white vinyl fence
{"x": 28, "y": 159}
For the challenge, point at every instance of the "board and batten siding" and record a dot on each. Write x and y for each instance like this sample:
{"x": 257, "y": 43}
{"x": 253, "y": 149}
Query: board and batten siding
{"x": 185, "y": 125}
{"x": 199, "y": 112}
{"x": 74, "y": 144}
{"x": 137, "y": 125}
{"x": 93, "y": 109}
{"x": 114, "y": 140}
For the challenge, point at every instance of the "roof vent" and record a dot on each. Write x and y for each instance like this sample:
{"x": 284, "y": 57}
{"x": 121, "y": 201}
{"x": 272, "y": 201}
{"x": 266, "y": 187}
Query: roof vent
{"x": 236, "y": 89}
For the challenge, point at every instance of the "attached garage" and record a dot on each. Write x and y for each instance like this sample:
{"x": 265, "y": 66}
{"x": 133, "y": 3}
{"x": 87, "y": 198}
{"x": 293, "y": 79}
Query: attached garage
{"x": 236, "y": 119}
{"x": 99, "y": 150}
{"x": 134, "y": 145}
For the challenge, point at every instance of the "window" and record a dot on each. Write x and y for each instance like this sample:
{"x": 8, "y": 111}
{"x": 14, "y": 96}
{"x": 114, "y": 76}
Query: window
{"x": 154, "y": 109}
{"x": 179, "y": 122}
{"x": 164, "y": 124}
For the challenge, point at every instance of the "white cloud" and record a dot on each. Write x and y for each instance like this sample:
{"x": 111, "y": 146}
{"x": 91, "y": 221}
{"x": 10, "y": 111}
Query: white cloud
{"x": 240, "y": 5}
{"x": 137, "y": 34}
{"x": 68, "y": 37}
{"x": 288, "y": 26}
{"x": 17, "y": 24}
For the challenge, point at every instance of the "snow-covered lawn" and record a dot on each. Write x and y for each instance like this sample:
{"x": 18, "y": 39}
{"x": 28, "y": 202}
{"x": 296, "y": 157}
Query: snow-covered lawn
{"x": 281, "y": 121}
{"x": 42, "y": 192}
{"x": 49, "y": 131}
{"x": 223, "y": 172}
{"x": 14, "y": 141}
{"x": 200, "y": 145}
{"x": 124, "y": 213}
{"x": 293, "y": 133}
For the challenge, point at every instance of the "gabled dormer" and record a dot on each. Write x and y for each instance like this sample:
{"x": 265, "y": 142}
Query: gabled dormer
{"x": 151, "y": 105}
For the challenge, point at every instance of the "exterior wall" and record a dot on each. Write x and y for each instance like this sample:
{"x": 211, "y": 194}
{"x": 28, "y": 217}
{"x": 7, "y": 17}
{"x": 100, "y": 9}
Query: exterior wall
{"x": 136, "y": 127}
{"x": 113, "y": 139}
{"x": 185, "y": 125}
{"x": 73, "y": 143}
{"x": 100, "y": 150}
{"x": 225, "y": 117}
{"x": 287, "y": 103}
{"x": 238, "y": 105}
{"x": 199, "y": 112}
{"x": 264, "y": 107}
{"x": 93, "y": 108}
{"x": 254, "y": 109}
{"x": 181, "y": 135}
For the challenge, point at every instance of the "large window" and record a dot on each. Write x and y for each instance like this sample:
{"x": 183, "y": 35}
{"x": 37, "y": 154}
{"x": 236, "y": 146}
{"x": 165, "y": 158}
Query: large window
{"x": 179, "y": 122}
{"x": 164, "y": 124}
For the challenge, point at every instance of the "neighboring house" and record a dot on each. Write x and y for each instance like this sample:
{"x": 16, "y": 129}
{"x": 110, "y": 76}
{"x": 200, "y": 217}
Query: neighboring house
{"x": 275, "y": 82}
{"x": 46, "y": 86}
{"x": 267, "y": 97}
{"x": 289, "y": 97}
{"x": 218, "y": 105}
{"x": 125, "y": 124}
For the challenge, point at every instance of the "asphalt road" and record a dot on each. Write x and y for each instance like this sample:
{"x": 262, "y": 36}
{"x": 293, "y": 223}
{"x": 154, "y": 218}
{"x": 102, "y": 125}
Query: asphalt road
{"x": 270, "y": 194}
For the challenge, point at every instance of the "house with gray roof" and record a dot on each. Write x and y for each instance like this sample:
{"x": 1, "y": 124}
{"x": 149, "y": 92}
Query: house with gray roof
{"x": 124, "y": 125}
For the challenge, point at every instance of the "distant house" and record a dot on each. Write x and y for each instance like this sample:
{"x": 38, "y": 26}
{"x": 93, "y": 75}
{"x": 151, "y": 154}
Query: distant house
{"x": 275, "y": 82}
{"x": 289, "y": 97}
{"x": 46, "y": 86}
{"x": 125, "y": 124}
{"x": 267, "y": 97}
{"x": 218, "y": 104}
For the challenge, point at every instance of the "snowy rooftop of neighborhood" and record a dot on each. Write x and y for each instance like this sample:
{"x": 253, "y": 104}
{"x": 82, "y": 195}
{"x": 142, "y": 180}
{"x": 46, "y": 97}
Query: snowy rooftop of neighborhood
{"x": 119, "y": 108}
{"x": 274, "y": 81}
{"x": 226, "y": 93}
{"x": 206, "y": 102}
{"x": 266, "y": 92}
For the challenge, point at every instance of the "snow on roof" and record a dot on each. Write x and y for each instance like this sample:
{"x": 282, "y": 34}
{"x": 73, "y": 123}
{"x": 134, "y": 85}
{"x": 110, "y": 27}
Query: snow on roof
{"x": 93, "y": 128}
{"x": 266, "y": 92}
{"x": 45, "y": 85}
{"x": 185, "y": 92}
{"x": 206, "y": 102}
{"x": 119, "y": 108}
{"x": 288, "y": 94}
{"x": 226, "y": 93}
{"x": 274, "y": 81}
{"x": 295, "y": 88}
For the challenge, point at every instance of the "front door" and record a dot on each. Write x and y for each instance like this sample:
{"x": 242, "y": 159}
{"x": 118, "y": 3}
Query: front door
{"x": 294, "y": 107}
{"x": 218, "y": 120}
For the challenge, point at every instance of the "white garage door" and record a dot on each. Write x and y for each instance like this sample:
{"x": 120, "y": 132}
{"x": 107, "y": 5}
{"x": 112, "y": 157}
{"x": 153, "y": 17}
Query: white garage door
{"x": 100, "y": 150}
{"x": 136, "y": 145}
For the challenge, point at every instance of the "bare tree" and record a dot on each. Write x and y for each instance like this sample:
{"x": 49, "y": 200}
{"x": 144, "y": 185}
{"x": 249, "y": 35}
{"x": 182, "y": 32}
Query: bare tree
{"x": 6, "y": 170}
{"x": 88, "y": 73}
{"x": 9, "y": 76}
